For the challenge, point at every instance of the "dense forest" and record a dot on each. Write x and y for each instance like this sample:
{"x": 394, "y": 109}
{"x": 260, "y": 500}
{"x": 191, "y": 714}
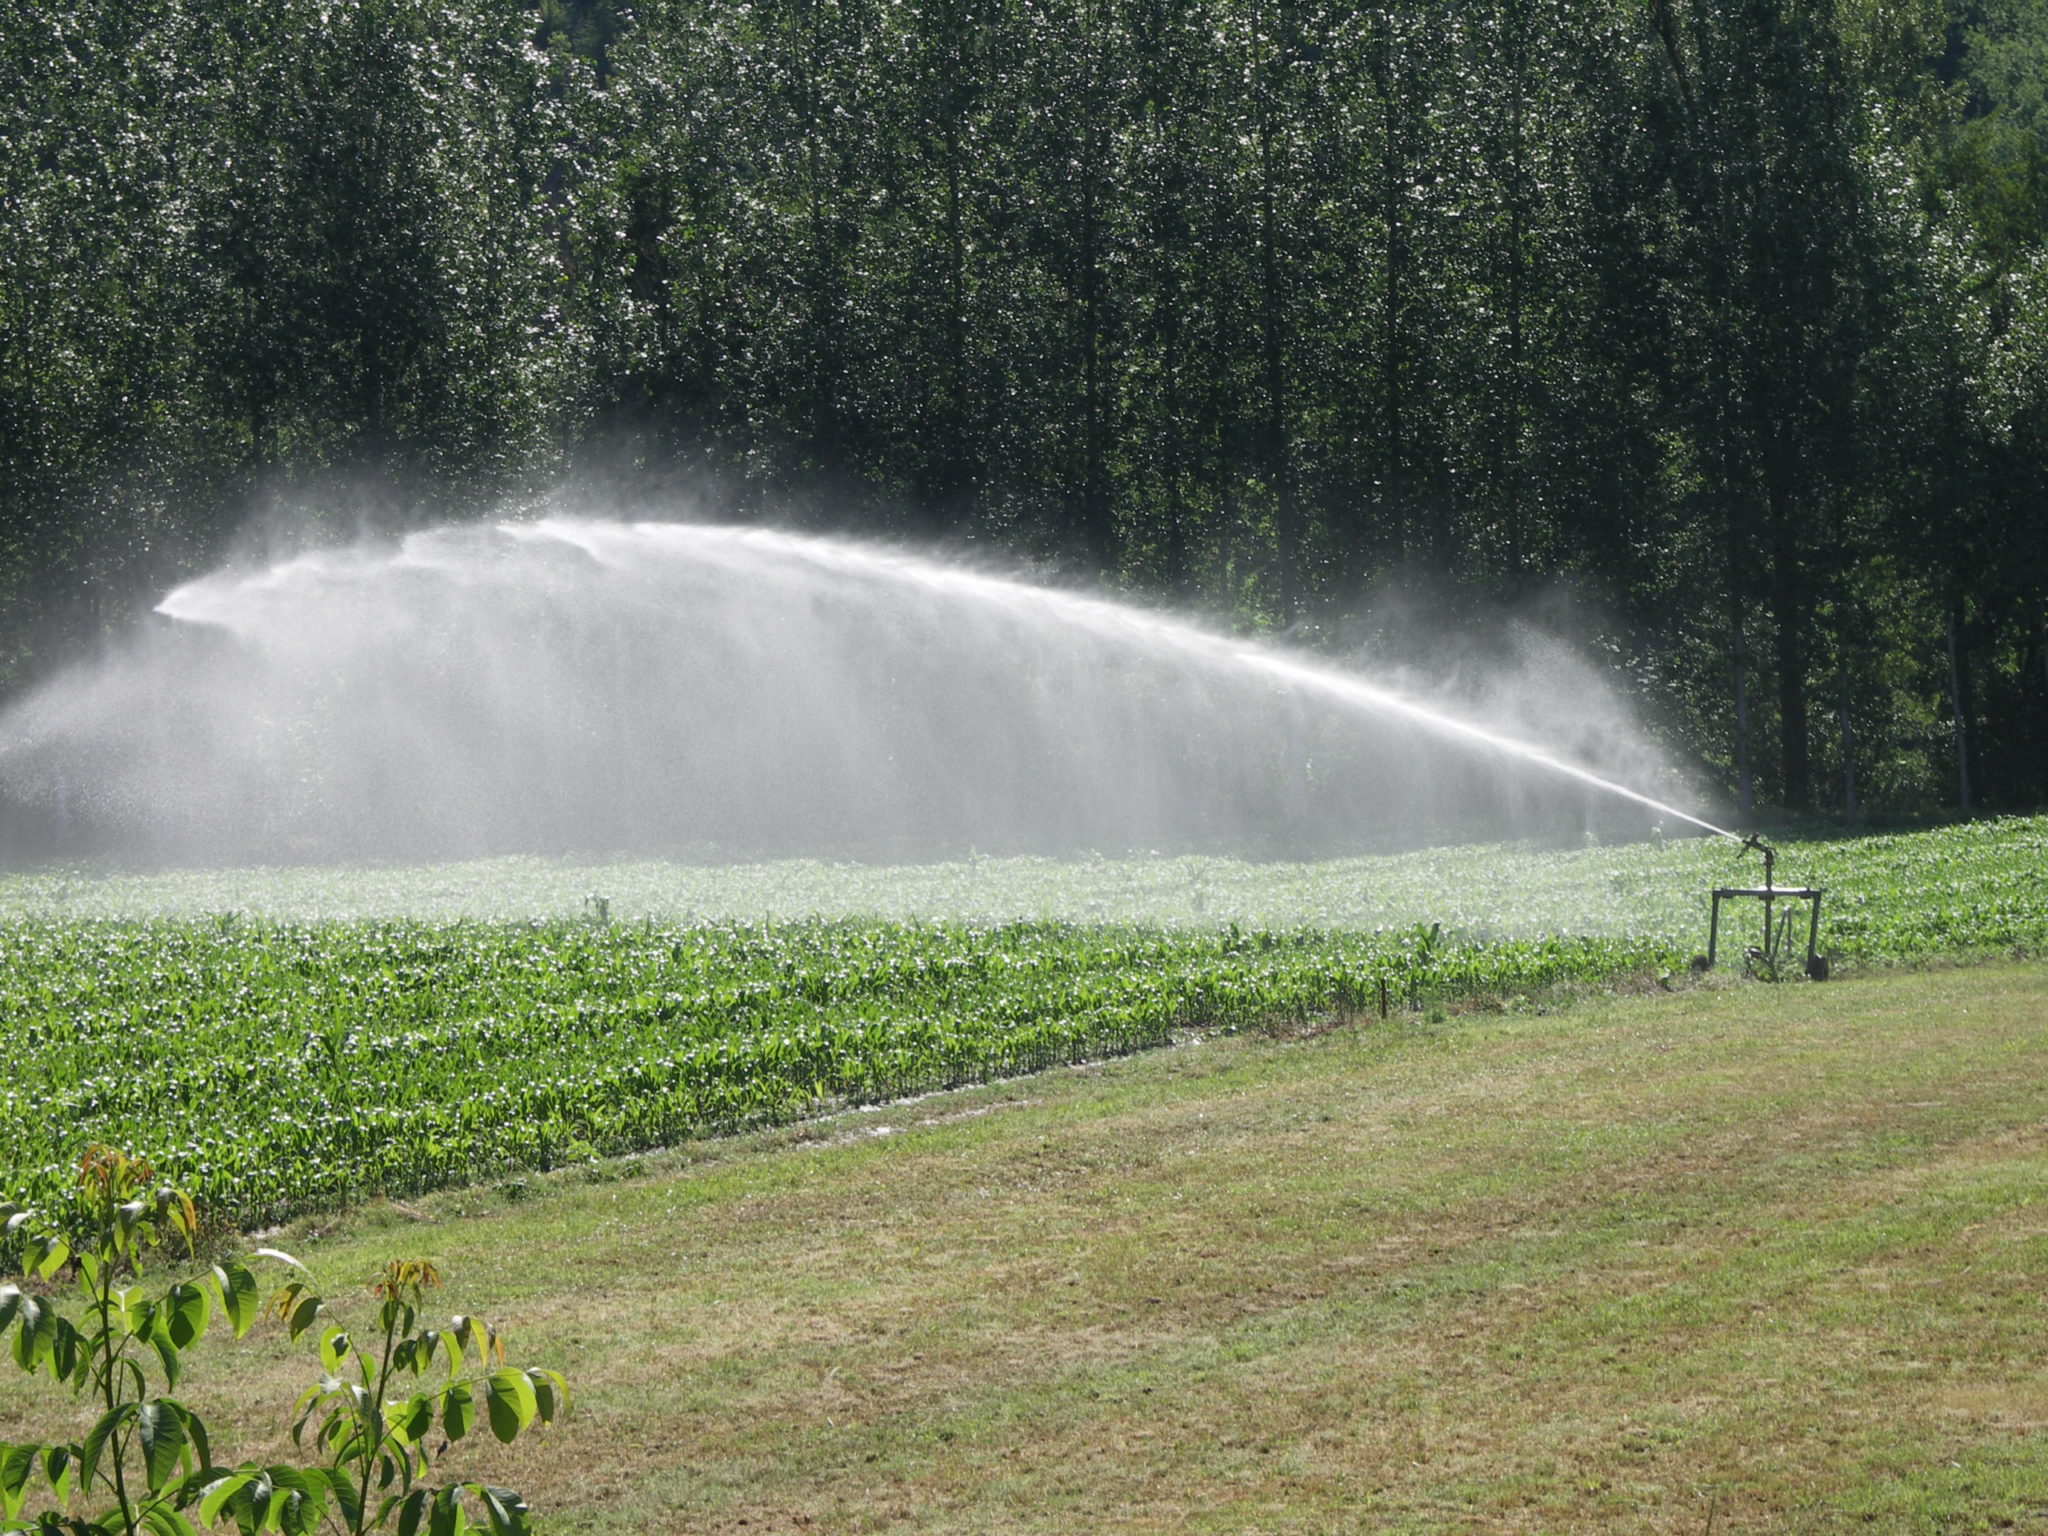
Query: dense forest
{"x": 1720, "y": 325}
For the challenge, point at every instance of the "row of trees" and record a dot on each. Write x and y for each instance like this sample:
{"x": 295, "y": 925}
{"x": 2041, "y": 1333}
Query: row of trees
{"x": 1728, "y": 316}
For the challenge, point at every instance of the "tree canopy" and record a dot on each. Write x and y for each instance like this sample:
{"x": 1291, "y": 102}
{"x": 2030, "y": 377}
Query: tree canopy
{"x": 1728, "y": 318}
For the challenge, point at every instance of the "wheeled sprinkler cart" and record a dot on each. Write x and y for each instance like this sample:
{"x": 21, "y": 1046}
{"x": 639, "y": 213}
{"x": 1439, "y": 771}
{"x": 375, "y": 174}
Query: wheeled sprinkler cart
{"x": 1778, "y": 941}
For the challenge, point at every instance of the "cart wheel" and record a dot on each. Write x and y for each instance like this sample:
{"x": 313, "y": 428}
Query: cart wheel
{"x": 1817, "y": 968}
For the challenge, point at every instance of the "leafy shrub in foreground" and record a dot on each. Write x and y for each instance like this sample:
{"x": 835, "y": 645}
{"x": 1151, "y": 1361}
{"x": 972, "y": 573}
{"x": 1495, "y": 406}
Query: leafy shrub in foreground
{"x": 147, "y": 1464}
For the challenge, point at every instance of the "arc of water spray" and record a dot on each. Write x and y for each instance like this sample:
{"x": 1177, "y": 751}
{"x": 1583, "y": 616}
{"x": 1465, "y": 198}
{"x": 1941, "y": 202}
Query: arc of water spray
{"x": 1104, "y": 617}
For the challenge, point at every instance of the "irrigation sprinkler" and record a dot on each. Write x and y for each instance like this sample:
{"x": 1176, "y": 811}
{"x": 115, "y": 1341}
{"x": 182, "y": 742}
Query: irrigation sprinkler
{"x": 1763, "y": 960}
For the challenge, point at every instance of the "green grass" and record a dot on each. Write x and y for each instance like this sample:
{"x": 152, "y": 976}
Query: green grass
{"x": 278, "y": 1064}
{"x": 1773, "y": 1253}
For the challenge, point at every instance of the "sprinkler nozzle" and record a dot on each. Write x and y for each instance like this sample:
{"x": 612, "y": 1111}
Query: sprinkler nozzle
{"x": 1755, "y": 841}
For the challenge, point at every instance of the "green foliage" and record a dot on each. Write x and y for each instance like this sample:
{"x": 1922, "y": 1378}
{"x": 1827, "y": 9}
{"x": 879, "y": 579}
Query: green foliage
{"x": 1729, "y": 315}
{"x": 152, "y": 1456}
{"x": 422, "y": 1055}
{"x": 275, "y": 1066}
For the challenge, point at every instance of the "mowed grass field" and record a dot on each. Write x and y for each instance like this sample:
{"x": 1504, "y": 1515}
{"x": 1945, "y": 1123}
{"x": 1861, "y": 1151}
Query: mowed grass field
{"x": 1745, "y": 1258}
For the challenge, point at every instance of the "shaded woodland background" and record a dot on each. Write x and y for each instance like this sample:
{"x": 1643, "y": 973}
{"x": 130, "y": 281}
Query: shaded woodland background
{"x": 1720, "y": 329}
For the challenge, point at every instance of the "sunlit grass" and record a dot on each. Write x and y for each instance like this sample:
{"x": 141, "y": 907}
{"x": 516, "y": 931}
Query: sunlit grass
{"x": 1773, "y": 1253}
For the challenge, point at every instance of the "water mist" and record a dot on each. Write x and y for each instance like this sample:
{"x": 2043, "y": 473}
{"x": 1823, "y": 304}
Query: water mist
{"x": 576, "y": 685}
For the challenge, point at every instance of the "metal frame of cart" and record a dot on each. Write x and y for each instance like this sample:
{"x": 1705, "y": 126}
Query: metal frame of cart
{"x": 1770, "y": 894}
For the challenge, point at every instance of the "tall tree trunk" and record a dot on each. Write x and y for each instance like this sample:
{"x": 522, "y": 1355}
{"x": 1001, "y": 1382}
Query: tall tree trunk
{"x": 1745, "y": 778}
{"x": 1278, "y": 449}
{"x": 1851, "y": 811}
{"x": 952, "y": 488}
{"x": 1393, "y": 291}
{"x": 1094, "y": 493}
{"x": 1958, "y": 693}
{"x": 1178, "y": 566}
{"x": 1788, "y": 620}
{"x": 1517, "y": 489}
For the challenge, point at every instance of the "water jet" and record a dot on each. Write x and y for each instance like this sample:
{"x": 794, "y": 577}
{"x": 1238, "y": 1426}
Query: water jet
{"x": 575, "y": 684}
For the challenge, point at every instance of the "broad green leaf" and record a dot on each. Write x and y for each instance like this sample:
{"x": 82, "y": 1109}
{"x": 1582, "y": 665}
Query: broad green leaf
{"x": 166, "y": 1521}
{"x": 10, "y": 1305}
{"x": 550, "y": 1393}
{"x": 34, "y": 1326}
{"x": 135, "y": 1310}
{"x": 185, "y": 1311}
{"x": 69, "y": 1358}
{"x": 416, "y": 1418}
{"x": 446, "y": 1517}
{"x": 58, "y": 1461}
{"x": 16, "y": 1463}
{"x": 458, "y": 1410}
{"x": 305, "y": 1314}
{"x": 509, "y": 1399}
{"x": 217, "y": 1494}
{"x": 160, "y": 1431}
{"x": 96, "y": 1440}
{"x": 334, "y": 1348}
{"x": 167, "y": 1357}
{"x": 346, "y": 1502}
{"x": 44, "y": 1255}
{"x": 195, "y": 1431}
{"x": 257, "y": 1499}
{"x": 238, "y": 1294}
{"x": 506, "y": 1511}
{"x": 411, "y": 1512}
